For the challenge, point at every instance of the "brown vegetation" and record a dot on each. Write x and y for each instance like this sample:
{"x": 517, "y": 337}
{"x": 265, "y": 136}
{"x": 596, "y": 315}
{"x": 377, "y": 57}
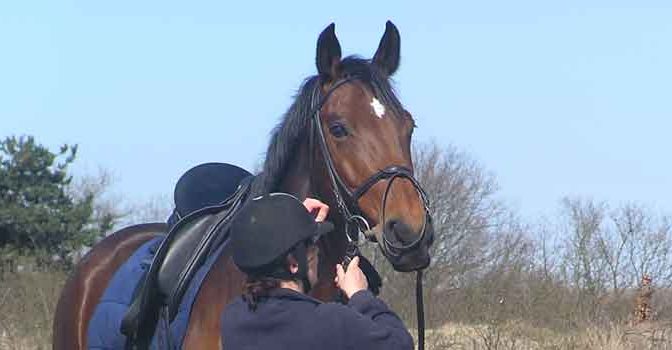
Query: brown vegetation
{"x": 567, "y": 282}
{"x": 27, "y": 303}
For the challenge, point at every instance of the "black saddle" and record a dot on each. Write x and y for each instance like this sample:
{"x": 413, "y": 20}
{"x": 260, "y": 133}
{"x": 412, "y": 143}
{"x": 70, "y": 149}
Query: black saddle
{"x": 191, "y": 239}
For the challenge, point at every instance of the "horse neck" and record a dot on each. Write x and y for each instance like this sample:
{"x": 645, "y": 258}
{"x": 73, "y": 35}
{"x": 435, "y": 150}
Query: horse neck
{"x": 297, "y": 177}
{"x": 306, "y": 178}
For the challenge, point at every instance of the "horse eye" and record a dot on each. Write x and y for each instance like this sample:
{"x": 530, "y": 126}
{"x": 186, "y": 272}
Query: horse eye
{"x": 338, "y": 130}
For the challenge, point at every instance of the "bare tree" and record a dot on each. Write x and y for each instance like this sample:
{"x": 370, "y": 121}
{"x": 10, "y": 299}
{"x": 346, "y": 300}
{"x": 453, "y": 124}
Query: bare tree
{"x": 612, "y": 247}
{"x": 107, "y": 207}
{"x": 584, "y": 268}
{"x": 584, "y": 221}
{"x": 476, "y": 238}
{"x": 156, "y": 208}
{"x": 606, "y": 255}
{"x": 464, "y": 207}
{"x": 111, "y": 210}
{"x": 547, "y": 259}
{"x": 647, "y": 245}
{"x": 565, "y": 273}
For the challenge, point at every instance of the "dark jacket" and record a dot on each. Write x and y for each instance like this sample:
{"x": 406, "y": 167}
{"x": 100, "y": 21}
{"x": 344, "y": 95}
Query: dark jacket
{"x": 291, "y": 320}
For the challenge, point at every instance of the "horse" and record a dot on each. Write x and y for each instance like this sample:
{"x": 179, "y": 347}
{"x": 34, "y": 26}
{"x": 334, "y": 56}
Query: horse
{"x": 346, "y": 140}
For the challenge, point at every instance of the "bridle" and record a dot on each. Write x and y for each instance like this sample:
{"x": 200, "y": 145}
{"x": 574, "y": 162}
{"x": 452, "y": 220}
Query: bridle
{"x": 357, "y": 220}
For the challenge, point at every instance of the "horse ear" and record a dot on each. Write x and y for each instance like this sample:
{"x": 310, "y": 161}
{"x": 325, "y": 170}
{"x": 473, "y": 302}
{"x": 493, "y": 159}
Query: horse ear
{"x": 328, "y": 52}
{"x": 387, "y": 56}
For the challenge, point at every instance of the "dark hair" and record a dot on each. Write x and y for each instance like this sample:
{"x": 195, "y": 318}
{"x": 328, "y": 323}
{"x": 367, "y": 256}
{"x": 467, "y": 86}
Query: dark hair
{"x": 258, "y": 287}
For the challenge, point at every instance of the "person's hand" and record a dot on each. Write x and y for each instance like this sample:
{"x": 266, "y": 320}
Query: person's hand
{"x": 313, "y": 205}
{"x": 352, "y": 280}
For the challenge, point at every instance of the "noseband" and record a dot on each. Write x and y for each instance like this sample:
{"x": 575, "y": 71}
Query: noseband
{"x": 355, "y": 223}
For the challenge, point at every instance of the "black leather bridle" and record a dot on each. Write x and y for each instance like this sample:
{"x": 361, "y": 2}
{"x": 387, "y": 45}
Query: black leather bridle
{"x": 342, "y": 192}
{"x": 357, "y": 219}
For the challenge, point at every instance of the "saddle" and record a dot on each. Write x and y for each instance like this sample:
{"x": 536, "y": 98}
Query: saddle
{"x": 191, "y": 239}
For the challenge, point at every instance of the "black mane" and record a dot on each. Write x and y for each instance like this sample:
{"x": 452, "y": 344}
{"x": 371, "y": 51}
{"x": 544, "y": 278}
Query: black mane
{"x": 295, "y": 123}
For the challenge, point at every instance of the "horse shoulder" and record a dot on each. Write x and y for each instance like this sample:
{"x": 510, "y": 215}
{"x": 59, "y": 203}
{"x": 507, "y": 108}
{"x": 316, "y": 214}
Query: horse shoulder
{"x": 222, "y": 283}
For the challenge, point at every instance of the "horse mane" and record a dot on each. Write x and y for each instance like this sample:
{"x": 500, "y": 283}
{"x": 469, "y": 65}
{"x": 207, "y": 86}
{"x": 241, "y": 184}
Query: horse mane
{"x": 295, "y": 123}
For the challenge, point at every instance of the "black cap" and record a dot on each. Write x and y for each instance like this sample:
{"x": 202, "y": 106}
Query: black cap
{"x": 207, "y": 184}
{"x": 268, "y": 227}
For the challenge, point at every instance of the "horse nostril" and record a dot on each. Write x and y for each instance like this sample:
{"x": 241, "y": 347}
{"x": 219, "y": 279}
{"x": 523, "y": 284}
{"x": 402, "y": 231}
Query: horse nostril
{"x": 399, "y": 230}
{"x": 391, "y": 225}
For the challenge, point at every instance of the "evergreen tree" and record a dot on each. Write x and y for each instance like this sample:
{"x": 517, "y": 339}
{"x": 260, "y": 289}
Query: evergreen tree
{"x": 37, "y": 213}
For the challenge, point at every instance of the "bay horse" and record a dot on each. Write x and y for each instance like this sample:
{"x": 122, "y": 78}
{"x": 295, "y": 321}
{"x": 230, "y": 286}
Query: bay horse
{"x": 346, "y": 140}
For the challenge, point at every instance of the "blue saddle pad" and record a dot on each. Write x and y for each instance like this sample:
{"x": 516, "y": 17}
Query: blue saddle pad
{"x": 104, "y": 328}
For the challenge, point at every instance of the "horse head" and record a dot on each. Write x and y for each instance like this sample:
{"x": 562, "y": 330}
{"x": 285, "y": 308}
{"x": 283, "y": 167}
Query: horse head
{"x": 346, "y": 139}
{"x": 365, "y": 134}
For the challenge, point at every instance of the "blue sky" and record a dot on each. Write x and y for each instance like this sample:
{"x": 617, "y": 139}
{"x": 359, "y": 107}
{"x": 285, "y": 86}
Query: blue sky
{"x": 555, "y": 98}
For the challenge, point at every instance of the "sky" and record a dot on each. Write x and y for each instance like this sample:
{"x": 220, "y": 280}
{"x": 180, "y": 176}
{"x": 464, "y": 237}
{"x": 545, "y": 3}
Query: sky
{"x": 564, "y": 98}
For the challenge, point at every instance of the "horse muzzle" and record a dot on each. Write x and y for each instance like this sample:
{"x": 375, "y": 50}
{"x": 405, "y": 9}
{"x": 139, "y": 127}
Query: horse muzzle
{"x": 406, "y": 250}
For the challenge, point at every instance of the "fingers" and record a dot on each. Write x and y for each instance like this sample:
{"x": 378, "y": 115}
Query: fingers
{"x": 322, "y": 213}
{"x": 310, "y": 203}
{"x": 355, "y": 262}
{"x": 340, "y": 273}
{"x": 313, "y": 204}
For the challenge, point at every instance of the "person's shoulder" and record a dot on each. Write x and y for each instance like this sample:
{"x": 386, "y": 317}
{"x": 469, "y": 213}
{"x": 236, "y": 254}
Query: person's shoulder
{"x": 333, "y": 317}
{"x": 237, "y": 305}
{"x": 236, "y": 302}
{"x": 336, "y": 311}
{"x": 331, "y": 308}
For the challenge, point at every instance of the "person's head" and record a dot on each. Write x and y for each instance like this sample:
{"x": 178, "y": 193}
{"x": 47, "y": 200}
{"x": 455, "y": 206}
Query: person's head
{"x": 274, "y": 241}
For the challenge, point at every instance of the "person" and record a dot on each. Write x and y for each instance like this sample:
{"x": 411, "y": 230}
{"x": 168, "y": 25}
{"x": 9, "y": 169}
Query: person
{"x": 274, "y": 242}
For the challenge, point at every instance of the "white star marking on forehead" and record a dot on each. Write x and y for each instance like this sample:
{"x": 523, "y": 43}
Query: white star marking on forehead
{"x": 378, "y": 107}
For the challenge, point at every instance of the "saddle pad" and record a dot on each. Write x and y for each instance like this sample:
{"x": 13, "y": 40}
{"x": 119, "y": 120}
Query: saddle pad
{"x": 104, "y": 328}
{"x": 178, "y": 328}
{"x": 103, "y": 331}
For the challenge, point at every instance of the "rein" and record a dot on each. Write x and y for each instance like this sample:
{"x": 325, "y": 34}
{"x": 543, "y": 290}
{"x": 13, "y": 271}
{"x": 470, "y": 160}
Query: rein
{"x": 361, "y": 225}
{"x": 420, "y": 310}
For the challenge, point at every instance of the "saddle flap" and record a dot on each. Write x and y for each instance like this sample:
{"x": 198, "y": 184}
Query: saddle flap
{"x": 180, "y": 252}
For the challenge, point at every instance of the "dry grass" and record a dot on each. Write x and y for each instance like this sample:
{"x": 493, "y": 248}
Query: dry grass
{"x": 522, "y": 336}
{"x": 28, "y": 300}
{"x": 27, "y": 304}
